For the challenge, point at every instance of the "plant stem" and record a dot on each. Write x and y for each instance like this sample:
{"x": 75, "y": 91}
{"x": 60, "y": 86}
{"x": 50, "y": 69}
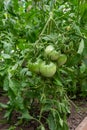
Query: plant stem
{"x": 49, "y": 19}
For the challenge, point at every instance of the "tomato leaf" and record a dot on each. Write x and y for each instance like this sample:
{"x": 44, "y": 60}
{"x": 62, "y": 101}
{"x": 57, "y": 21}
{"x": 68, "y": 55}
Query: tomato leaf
{"x": 81, "y": 47}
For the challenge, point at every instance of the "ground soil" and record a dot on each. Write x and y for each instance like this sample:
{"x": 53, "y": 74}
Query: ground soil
{"x": 78, "y": 112}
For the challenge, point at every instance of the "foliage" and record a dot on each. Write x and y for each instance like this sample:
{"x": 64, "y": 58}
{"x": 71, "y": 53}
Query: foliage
{"x": 27, "y": 28}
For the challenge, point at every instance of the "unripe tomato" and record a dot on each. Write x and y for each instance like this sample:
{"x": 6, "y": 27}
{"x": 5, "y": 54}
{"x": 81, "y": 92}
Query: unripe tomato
{"x": 47, "y": 70}
{"x": 68, "y": 28}
{"x": 49, "y": 49}
{"x": 54, "y": 55}
{"x": 62, "y": 59}
{"x": 35, "y": 67}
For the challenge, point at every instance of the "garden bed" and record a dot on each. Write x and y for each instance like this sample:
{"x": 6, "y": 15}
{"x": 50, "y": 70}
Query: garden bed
{"x": 78, "y": 113}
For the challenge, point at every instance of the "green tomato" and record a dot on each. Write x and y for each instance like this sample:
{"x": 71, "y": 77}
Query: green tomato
{"x": 62, "y": 59}
{"x": 48, "y": 70}
{"x": 54, "y": 55}
{"x": 35, "y": 67}
{"x": 49, "y": 49}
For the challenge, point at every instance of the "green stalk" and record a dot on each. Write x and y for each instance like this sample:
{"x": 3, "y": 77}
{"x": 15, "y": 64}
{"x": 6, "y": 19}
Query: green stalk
{"x": 45, "y": 27}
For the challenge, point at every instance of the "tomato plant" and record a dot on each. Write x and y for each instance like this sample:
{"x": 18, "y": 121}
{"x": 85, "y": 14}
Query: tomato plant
{"x": 56, "y": 33}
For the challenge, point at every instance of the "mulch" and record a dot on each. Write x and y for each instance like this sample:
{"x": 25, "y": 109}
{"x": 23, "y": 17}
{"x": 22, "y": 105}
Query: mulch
{"x": 78, "y": 113}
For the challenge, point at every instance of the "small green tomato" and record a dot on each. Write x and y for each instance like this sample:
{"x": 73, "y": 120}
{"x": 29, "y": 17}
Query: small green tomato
{"x": 54, "y": 55}
{"x": 62, "y": 59}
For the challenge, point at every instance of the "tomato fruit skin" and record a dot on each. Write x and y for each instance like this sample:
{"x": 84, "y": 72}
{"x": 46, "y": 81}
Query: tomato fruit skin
{"x": 54, "y": 55}
{"x": 48, "y": 70}
{"x": 49, "y": 49}
{"x": 62, "y": 59}
{"x": 35, "y": 67}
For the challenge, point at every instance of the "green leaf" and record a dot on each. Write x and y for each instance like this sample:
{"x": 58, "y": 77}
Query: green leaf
{"x": 82, "y": 68}
{"x": 58, "y": 82}
{"x": 8, "y": 113}
{"x": 3, "y": 105}
{"x": 13, "y": 86}
{"x": 74, "y": 60}
{"x": 6, "y": 84}
{"x": 42, "y": 127}
{"x": 77, "y": 29}
{"x": 6, "y": 56}
{"x": 26, "y": 115}
{"x": 12, "y": 128}
{"x": 81, "y": 47}
{"x": 51, "y": 122}
{"x": 61, "y": 121}
{"x": 84, "y": 85}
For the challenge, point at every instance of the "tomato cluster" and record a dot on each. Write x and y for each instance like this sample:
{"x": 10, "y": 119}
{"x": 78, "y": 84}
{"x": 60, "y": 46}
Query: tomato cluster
{"x": 48, "y": 70}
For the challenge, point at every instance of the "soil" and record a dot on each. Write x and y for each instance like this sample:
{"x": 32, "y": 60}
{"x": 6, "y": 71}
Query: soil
{"x": 78, "y": 112}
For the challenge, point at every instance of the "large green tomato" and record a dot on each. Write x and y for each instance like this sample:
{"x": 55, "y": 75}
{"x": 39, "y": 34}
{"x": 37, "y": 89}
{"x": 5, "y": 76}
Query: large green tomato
{"x": 47, "y": 70}
{"x": 49, "y": 49}
{"x": 62, "y": 59}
